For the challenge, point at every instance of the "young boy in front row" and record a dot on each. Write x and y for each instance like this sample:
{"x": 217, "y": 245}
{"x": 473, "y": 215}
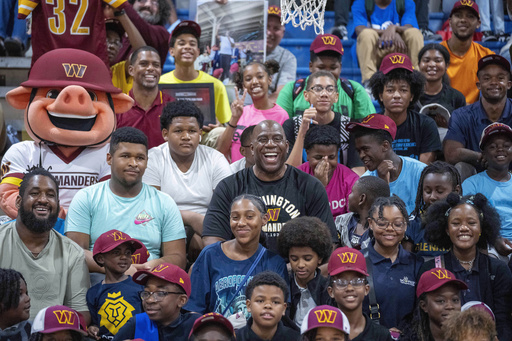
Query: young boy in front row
{"x": 115, "y": 300}
{"x": 266, "y": 301}
{"x": 348, "y": 286}
{"x": 306, "y": 243}
{"x": 166, "y": 290}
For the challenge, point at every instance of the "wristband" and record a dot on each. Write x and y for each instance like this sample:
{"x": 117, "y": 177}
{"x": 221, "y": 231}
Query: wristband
{"x": 232, "y": 126}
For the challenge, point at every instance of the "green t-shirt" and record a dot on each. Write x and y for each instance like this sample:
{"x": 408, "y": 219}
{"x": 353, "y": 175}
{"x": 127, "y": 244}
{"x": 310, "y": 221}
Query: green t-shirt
{"x": 358, "y": 108}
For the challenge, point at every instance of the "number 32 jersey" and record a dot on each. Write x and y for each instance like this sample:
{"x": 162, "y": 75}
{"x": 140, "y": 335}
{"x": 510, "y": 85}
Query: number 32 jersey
{"x": 76, "y": 24}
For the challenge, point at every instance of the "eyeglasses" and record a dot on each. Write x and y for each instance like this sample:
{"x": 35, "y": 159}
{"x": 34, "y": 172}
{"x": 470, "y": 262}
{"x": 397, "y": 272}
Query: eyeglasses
{"x": 157, "y": 295}
{"x": 318, "y": 89}
{"x": 397, "y": 225}
{"x": 342, "y": 284}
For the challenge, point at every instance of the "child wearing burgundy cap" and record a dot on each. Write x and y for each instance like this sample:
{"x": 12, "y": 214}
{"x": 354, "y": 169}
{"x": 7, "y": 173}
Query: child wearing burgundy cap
{"x": 373, "y": 140}
{"x": 58, "y": 322}
{"x": 348, "y": 286}
{"x": 438, "y": 294}
{"x": 166, "y": 290}
{"x": 212, "y": 327}
{"x": 325, "y": 323}
{"x": 113, "y": 250}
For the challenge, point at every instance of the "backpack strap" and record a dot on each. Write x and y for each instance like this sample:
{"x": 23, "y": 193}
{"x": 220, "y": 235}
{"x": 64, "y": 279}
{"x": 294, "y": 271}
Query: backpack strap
{"x": 347, "y": 87}
{"x": 374, "y": 306}
{"x": 439, "y": 261}
{"x": 369, "y": 6}
{"x": 298, "y": 87}
{"x": 400, "y": 8}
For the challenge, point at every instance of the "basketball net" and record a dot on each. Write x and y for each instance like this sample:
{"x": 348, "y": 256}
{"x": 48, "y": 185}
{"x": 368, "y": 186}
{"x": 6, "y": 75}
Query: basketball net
{"x": 304, "y": 13}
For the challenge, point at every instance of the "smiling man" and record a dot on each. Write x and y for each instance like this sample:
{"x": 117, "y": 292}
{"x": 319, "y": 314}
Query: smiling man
{"x": 287, "y": 191}
{"x": 462, "y": 141}
{"x": 126, "y": 204}
{"x": 145, "y": 69}
{"x": 53, "y": 265}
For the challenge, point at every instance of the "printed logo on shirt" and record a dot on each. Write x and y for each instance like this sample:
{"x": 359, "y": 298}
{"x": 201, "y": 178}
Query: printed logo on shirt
{"x": 282, "y": 204}
{"x": 65, "y": 316}
{"x": 397, "y": 59}
{"x": 406, "y": 281}
{"x": 441, "y": 274}
{"x": 273, "y": 214}
{"x": 74, "y": 70}
{"x": 142, "y": 218}
{"x": 326, "y": 316}
{"x": 115, "y": 312}
{"x": 348, "y": 257}
{"x": 6, "y": 168}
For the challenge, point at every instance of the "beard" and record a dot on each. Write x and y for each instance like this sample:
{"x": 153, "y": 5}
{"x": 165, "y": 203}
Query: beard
{"x": 35, "y": 224}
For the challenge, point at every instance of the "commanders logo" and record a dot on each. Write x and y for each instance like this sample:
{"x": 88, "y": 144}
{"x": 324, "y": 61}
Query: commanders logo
{"x": 115, "y": 312}
{"x": 74, "y": 70}
{"x": 329, "y": 40}
{"x": 348, "y": 257}
{"x": 65, "y": 317}
{"x": 441, "y": 274}
{"x": 326, "y": 316}
{"x": 467, "y": 3}
{"x": 397, "y": 59}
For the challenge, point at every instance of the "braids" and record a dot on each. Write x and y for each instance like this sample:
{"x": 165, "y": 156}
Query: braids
{"x": 436, "y": 167}
{"x": 9, "y": 289}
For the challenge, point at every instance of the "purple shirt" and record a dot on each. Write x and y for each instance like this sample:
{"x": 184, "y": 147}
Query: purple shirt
{"x": 338, "y": 188}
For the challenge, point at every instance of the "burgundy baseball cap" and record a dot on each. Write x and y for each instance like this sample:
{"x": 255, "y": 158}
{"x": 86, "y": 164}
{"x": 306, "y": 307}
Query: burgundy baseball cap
{"x": 325, "y": 316}
{"x": 166, "y": 271}
{"x": 63, "y": 67}
{"x": 395, "y": 61}
{"x": 478, "y": 306}
{"x": 56, "y": 318}
{"x": 212, "y": 318}
{"x": 494, "y": 128}
{"x": 110, "y": 240}
{"x": 495, "y": 59}
{"x": 274, "y": 10}
{"x": 436, "y": 278}
{"x": 346, "y": 259}
{"x": 140, "y": 256}
{"x": 187, "y": 25}
{"x": 326, "y": 42}
{"x": 375, "y": 121}
{"x": 465, "y": 4}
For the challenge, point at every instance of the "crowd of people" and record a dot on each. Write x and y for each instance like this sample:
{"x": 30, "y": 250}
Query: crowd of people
{"x": 300, "y": 213}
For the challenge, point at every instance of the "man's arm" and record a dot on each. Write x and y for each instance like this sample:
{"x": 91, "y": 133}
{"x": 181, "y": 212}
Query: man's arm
{"x": 455, "y": 152}
{"x": 173, "y": 252}
{"x": 194, "y": 220}
{"x": 428, "y": 158}
{"x": 83, "y": 240}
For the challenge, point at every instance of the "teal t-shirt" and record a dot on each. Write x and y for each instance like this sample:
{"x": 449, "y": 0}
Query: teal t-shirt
{"x": 151, "y": 217}
{"x": 358, "y": 108}
{"x": 499, "y": 195}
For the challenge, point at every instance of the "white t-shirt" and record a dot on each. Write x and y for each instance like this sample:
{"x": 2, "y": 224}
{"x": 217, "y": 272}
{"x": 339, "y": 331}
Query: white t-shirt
{"x": 193, "y": 189}
{"x": 225, "y": 45}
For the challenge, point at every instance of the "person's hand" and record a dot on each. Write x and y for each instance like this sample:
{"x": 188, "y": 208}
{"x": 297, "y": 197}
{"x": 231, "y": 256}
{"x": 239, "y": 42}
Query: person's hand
{"x": 322, "y": 171}
{"x": 441, "y": 121}
{"x": 237, "y": 107}
{"x": 482, "y": 161}
{"x": 399, "y": 44}
{"x": 386, "y": 40}
{"x": 384, "y": 168}
{"x": 93, "y": 332}
{"x": 503, "y": 246}
{"x": 108, "y": 12}
{"x": 209, "y": 127}
{"x": 136, "y": 267}
{"x": 307, "y": 119}
{"x": 208, "y": 49}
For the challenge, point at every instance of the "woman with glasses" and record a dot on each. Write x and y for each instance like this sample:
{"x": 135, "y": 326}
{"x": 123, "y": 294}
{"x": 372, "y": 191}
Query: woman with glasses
{"x": 392, "y": 270}
{"x": 255, "y": 79}
{"x": 218, "y": 274}
{"x": 466, "y": 226}
{"x": 321, "y": 93}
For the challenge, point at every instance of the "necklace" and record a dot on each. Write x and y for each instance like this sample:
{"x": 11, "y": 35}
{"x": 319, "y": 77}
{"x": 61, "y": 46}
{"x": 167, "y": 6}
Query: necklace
{"x": 467, "y": 262}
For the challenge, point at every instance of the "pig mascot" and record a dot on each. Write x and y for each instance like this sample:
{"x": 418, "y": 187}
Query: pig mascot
{"x": 70, "y": 105}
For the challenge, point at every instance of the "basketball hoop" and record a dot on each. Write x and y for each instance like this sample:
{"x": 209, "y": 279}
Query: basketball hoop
{"x": 304, "y": 13}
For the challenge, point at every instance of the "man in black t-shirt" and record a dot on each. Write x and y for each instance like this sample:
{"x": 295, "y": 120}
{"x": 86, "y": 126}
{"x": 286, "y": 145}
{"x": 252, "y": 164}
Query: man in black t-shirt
{"x": 287, "y": 191}
{"x": 397, "y": 86}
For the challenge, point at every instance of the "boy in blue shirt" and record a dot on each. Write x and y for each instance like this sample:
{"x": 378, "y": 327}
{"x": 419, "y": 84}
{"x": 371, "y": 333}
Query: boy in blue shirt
{"x": 113, "y": 301}
{"x": 495, "y": 182}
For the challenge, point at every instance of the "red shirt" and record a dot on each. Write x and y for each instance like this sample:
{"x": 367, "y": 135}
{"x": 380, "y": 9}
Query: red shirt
{"x": 68, "y": 24}
{"x": 147, "y": 121}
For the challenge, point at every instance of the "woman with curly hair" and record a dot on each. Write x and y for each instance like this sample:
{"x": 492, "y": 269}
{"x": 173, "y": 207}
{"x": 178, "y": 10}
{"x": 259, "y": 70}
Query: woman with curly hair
{"x": 438, "y": 296}
{"x": 397, "y": 87}
{"x": 466, "y": 226}
{"x": 392, "y": 269}
{"x": 255, "y": 79}
{"x": 306, "y": 243}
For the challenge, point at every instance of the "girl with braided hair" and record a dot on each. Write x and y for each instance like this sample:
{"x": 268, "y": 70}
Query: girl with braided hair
{"x": 14, "y": 306}
{"x": 466, "y": 226}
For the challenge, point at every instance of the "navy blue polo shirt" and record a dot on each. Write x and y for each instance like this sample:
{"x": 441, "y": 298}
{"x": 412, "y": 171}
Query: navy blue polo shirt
{"x": 471, "y": 278}
{"x": 395, "y": 285}
{"x": 467, "y": 124}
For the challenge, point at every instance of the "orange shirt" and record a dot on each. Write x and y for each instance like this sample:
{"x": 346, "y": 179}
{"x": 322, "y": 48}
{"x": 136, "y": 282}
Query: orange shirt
{"x": 462, "y": 70}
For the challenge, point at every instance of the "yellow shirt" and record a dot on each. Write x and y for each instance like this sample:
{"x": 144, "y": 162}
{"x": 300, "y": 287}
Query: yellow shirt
{"x": 462, "y": 70}
{"x": 222, "y": 108}
{"x": 119, "y": 77}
